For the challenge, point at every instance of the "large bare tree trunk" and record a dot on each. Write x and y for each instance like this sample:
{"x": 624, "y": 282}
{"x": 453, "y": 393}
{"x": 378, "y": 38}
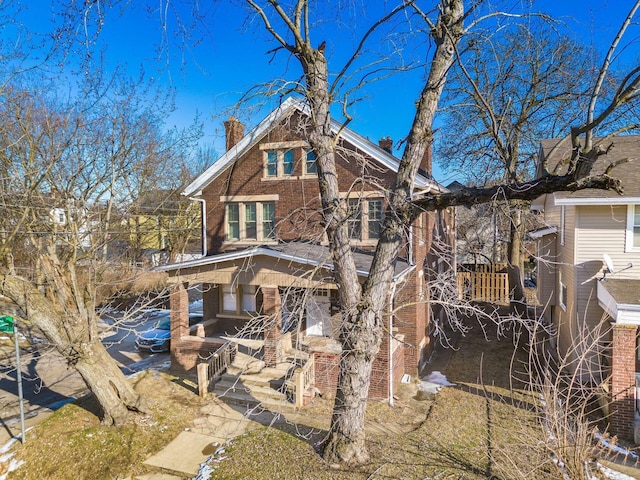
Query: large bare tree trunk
{"x": 515, "y": 264}
{"x": 361, "y": 329}
{"x": 74, "y": 338}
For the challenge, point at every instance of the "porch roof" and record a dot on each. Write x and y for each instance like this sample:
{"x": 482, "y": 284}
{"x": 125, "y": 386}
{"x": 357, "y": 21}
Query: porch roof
{"x": 290, "y": 256}
{"x": 620, "y": 299}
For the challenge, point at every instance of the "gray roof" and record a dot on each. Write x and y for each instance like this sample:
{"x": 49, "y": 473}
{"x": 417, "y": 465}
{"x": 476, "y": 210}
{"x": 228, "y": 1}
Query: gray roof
{"x": 297, "y": 252}
{"x": 623, "y": 291}
{"x": 624, "y": 147}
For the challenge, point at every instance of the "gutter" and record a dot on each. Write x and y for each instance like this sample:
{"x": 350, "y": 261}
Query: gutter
{"x": 391, "y": 297}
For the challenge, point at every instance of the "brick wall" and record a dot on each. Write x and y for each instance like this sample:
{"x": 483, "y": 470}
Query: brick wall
{"x": 326, "y": 365}
{"x": 623, "y": 380}
{"x": 298, "y": 206}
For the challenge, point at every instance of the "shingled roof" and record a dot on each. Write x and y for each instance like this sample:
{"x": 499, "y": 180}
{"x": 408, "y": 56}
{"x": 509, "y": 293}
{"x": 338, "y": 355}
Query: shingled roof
{"x": 624, "y": 147}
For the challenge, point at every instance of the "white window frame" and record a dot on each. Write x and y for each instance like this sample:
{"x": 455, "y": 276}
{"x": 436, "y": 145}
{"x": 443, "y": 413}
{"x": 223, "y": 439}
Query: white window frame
{"x": 628, "y": 244}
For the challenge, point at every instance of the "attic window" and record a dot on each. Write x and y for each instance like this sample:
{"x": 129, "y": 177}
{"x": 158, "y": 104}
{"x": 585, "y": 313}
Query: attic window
{"x": 278, "y": 163}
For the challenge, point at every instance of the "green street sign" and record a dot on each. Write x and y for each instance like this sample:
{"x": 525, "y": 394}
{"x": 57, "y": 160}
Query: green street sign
{"x": 6, "y": 324}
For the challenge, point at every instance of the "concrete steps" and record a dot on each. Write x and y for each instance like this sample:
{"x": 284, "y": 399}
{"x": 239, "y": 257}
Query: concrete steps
{"x": 248, "y": 382}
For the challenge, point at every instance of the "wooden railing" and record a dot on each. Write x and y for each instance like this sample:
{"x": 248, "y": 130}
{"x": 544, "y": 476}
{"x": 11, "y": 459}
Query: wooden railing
{"x": 302, "y": 379}
{"x": 483, "y": 287}
{"x": 214, "y": 367}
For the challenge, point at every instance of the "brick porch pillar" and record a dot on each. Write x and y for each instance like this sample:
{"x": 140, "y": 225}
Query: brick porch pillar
{"x": 179, "y": 305}
{"x": 623, "y": 367}
{"x": 272, "y": 311}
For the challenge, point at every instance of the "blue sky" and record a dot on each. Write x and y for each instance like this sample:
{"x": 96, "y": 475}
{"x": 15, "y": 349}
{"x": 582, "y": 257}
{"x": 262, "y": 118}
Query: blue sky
{"x": 229, "y": 56}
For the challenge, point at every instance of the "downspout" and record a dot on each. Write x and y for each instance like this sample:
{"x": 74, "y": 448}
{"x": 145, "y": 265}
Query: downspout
{"x": 203, "y": 216}
{"x": 391, "y": 296}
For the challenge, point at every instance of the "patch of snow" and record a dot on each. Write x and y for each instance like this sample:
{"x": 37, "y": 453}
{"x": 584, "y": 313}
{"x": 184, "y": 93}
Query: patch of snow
{"x": 439, "y": 379}
{"x": 13, "y": 465}
{"x": 612, "y": 474}
{"x": 615, "y": 448}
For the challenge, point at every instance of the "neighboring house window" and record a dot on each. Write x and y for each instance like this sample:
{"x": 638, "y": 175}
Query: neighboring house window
{"x": 250, "y": 220}
{"x": 310, "y": 166}
{"x": 238, "y": 299}
{"x": 633, "y": 228}
{"x": 278, "y": 163}
{"x": 365, "y": 218}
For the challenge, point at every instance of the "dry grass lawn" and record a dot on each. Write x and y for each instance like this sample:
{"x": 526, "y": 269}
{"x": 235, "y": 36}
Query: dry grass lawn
{"x": 482, "y": 428}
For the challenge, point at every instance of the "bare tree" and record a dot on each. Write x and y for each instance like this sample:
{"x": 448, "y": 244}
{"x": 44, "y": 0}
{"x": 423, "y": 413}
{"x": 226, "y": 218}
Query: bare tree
{"x": 291, "y": 27}
{"x": 65, "y": 162}
{"x": 509, "y": 89}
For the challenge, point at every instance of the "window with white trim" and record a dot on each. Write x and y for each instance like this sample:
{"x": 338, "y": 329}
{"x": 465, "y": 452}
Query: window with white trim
{"x": 632, "y": 242}
{"x": 365, "y": 218}
{"x": 238, "y": 299}
{"x": 249, "y": 221}
{"x": 278, "y": 163}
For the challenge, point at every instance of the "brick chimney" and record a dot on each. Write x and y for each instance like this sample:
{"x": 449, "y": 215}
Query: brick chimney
{"x": 386, "y": 143}
{"x": 234, "y": 131}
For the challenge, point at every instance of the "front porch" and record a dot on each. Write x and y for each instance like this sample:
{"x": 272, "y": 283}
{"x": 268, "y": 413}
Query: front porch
{"x": 268, "y": 312}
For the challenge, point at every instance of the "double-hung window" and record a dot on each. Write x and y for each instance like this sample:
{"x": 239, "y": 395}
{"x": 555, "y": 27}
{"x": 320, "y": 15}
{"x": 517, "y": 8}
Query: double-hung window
{"x": 355, "y": 218}
{"x": 374, "y": 220}
{"x": 253, "y": 221}
{"x": 310, "y": 166}
{"x": 278, "y": 163}
{"x": 364, "y": 218}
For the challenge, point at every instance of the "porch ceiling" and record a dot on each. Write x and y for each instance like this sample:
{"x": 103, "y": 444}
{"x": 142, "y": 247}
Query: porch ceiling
{"x": 620, "y": 299}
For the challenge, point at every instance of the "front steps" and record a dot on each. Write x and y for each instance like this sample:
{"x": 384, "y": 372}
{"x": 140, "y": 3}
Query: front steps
{"x": 249, "y": 383}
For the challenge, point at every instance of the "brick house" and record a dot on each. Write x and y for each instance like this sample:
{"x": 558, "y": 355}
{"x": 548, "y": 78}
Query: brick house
{"x": 589, "y": 279}
{"x": 266, "y": 273}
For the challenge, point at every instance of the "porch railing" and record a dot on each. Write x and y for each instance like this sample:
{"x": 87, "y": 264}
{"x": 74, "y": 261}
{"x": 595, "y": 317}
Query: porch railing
{"x": 215, "y": 366}
{"x": 302, "y": 379}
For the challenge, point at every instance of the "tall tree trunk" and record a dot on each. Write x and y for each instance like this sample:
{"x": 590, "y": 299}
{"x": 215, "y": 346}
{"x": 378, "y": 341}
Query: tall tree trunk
{"x": 361, "y": 329}
{"x": 72, "y": 337}
{"x": 114, "y": 392}
{"x": 515, "y": 264}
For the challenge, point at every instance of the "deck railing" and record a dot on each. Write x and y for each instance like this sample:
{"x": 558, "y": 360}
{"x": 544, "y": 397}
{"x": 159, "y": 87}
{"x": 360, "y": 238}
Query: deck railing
{"x": 485, "y": 287}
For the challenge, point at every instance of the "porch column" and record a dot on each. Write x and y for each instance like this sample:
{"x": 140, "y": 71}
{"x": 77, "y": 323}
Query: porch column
{"x": 272, "y": 311}
{"x": 179, "y": 305}
{"x": 623, "y": 366}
